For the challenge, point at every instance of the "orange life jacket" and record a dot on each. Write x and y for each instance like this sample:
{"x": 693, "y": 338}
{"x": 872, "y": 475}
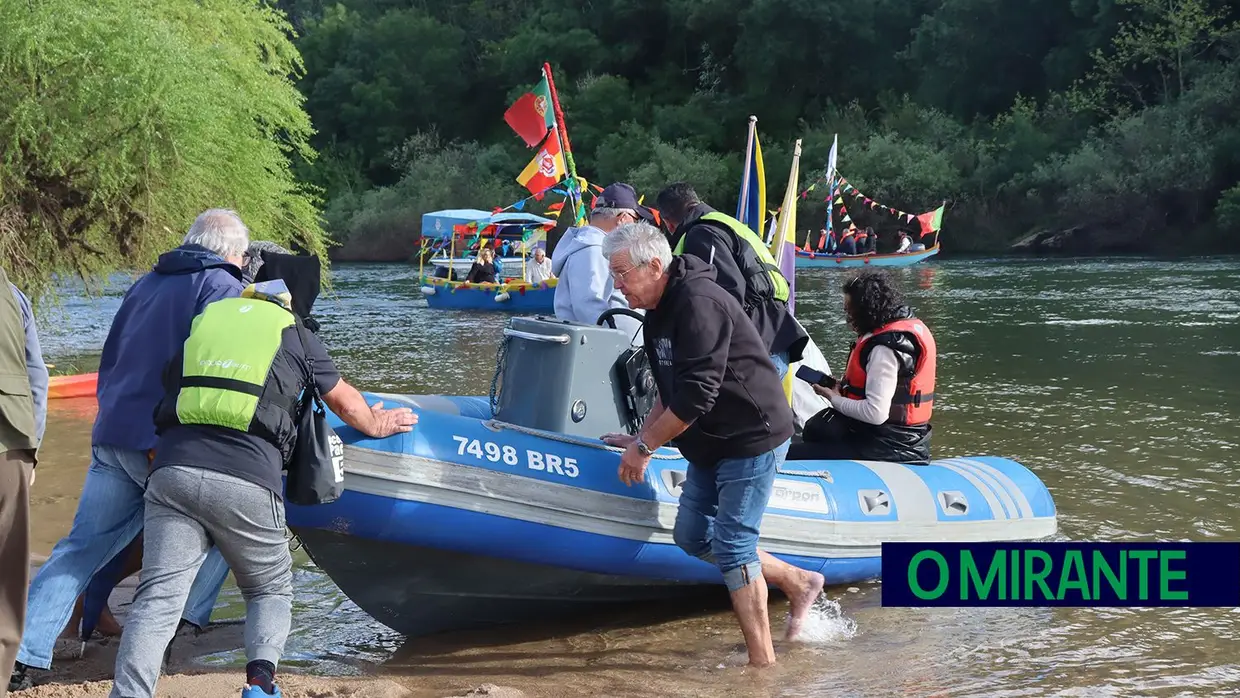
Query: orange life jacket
{"x": 913, "y": 401}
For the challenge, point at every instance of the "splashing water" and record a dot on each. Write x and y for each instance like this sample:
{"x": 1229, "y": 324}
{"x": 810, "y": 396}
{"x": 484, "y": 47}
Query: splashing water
{"x": 826, "y": 623}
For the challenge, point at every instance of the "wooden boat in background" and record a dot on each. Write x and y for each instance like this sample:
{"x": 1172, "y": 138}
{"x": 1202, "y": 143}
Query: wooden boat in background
{"x": 894, "y": 259}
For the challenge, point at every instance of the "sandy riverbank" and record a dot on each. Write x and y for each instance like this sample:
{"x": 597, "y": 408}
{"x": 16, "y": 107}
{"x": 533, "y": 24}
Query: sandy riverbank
{"x": 88, "y": 675}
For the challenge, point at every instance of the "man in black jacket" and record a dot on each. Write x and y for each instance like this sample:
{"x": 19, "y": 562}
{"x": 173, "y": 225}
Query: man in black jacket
{"x": 720, "y": 398}
{"x": 744, "y": 266}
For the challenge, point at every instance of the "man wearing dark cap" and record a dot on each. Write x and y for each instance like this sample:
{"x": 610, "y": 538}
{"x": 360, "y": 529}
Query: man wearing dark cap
{"x": 744, "y": 266}
{"x": 585, "y": 290}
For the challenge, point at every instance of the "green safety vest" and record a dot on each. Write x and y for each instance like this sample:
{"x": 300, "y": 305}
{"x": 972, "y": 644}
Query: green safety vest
{"x": 17, "y": 427}
{"x": 229, "y": 375}
{"x": 761, "y": 261}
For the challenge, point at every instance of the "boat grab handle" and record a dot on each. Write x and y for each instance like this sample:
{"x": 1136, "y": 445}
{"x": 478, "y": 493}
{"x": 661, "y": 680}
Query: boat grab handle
{"x": 557, "y": 338}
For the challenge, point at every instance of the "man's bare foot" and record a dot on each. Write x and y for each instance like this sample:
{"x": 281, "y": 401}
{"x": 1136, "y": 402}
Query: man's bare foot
{"x": 761, "y": 664}
{"x": 810, "y": 586}
{"x": 108, "y": 625}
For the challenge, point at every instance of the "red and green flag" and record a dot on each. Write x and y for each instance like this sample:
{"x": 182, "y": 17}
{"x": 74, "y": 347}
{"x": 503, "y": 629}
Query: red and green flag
{"x": 931, "y": 222}
{"x": 531, "y": 116}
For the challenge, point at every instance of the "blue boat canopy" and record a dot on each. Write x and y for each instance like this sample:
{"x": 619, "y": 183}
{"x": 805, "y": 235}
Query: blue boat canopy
{"x": 439, "y": 224}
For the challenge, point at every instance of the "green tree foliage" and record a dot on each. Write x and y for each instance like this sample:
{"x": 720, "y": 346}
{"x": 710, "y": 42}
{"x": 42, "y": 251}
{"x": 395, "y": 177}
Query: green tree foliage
{"x": 121, "y": 120}
{"x": 1020, "y": 114}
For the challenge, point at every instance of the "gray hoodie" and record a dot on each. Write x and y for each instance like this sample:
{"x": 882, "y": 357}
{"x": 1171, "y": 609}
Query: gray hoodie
{"x": 585, "y": 287}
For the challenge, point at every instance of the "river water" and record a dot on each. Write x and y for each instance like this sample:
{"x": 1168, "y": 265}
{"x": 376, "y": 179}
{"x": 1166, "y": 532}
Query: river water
{"x": 1115, "y": 380}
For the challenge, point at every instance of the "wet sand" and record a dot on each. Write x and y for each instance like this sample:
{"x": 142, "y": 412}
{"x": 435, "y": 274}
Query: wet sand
{"x": 88, "y": 675}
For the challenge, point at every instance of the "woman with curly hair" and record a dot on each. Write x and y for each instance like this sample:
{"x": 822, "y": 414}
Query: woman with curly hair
{"x": 881, "y": 409}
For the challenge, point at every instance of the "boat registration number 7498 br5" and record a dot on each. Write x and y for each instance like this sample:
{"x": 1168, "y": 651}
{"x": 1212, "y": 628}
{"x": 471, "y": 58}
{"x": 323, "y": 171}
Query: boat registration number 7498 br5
{"x": 534, "y": 460}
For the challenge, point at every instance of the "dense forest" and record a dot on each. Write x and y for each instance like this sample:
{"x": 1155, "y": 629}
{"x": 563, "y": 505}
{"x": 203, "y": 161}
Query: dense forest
{"x": 347, "y": 119}
{"x": 1112, "y": 115}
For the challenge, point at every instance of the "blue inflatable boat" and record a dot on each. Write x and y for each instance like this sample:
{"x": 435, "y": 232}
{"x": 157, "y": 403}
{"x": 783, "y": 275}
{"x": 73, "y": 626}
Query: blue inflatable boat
{"x": 508, "y": 507}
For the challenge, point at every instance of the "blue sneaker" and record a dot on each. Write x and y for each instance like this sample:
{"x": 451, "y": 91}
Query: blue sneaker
{"x": 257, "y": 692}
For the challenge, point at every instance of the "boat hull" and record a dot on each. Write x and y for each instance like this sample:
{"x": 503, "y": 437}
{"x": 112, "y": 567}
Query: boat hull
{"x": 542, "y": 519}
{"x": 73, "y": 386}
{"x": 517, "y": 298}
{"x": 812, "y": 260}
{"x": 421, "y": 590}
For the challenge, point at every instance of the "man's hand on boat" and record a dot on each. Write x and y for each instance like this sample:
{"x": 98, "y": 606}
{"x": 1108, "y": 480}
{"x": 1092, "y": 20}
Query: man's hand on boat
{"x": 371, "y": 420}
{"x": 632, "y": 462}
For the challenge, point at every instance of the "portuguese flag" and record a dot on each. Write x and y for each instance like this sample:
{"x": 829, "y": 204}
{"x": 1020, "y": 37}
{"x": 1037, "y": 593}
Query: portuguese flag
{"x": 931, "y": 222}
{"x": 546, "y": 168}
{"x": 531, "y": 116}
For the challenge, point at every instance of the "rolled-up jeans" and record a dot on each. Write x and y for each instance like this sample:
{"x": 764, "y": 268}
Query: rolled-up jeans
{"x": 721, "y": 510}
{"x": 109, "y": 516}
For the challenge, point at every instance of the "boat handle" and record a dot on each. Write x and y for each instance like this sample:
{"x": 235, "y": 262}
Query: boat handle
{"x": 557, "y": 338}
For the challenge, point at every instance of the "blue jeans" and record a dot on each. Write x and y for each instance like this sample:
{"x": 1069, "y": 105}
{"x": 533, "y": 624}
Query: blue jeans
{"x": 781, "y": 363}
{"x": 109, "y": 516}
{"x": 721, "y": 509}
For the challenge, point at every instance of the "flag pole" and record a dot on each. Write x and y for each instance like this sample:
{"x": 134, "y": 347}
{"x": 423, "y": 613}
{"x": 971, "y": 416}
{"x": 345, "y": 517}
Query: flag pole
{"x": 741, "y": 207}
{"x": 564, "y": 146}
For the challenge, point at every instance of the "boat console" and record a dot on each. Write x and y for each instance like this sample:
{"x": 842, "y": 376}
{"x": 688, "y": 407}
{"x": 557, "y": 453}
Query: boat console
{"x": 572, "y": 378}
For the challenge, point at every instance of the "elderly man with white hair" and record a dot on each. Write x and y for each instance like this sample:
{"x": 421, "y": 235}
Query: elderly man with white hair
{"x": 148, "y": 330}
{"x": 721, "y": 399}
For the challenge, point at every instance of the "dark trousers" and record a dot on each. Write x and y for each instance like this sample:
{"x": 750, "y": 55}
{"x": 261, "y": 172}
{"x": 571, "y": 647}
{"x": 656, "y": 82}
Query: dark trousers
{"x": 825, "y": 436}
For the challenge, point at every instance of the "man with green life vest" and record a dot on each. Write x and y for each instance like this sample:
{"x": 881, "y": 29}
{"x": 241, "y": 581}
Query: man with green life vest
{"x": 743, "y": 264}
{"x": 227, "y": 425}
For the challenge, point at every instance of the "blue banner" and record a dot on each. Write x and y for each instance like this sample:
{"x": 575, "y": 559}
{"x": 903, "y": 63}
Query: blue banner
{"x": 1061, "y": 574}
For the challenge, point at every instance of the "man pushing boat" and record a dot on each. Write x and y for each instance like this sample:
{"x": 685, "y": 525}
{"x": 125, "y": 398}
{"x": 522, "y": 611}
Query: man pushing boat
{"x": 720, "y": 398}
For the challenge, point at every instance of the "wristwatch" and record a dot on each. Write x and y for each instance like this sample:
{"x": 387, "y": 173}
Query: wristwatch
{"x": 642, "y": 448}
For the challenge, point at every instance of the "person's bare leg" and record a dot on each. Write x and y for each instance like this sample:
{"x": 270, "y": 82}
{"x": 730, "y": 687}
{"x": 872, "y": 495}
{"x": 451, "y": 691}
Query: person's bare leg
{"x": 749, "y": 602}
{"x": 802, "y": 588}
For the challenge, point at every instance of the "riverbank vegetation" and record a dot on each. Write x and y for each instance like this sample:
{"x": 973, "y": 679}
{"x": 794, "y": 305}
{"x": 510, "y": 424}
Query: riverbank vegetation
{"x": 350, "y": 118}
{"x": 1021, "y": 114}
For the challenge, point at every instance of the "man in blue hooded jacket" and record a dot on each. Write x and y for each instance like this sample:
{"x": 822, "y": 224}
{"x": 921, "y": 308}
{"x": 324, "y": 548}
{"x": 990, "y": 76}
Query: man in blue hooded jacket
{"x": 149, "y": 328}
{"x": 585, "y": 288}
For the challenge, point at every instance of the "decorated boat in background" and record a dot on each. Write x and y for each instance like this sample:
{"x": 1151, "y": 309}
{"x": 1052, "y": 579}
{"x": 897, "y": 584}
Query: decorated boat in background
{"x": 814, "y": 260}
{"x": 445, "y": 233}
{"x": 824, "y": 255}
{"x": 452, "y": 238}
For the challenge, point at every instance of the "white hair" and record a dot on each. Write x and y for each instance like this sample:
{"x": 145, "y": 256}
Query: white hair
{"x": 642, "y": 241}
{"x": 221, "y": 231}
{"x": 611, "y": 213}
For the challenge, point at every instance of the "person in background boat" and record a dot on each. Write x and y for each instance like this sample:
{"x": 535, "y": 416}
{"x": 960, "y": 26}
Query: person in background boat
{"x": 871, "y": 240}
{"x": 829, "y": 240}
{"x": 23, "y": 417}
{"x": 216, "y": 483}
{"x": 905, "y": 242}
{"x": 744, "y": 268}
{"x": 863, "y": 238}
{"x": 882, "y": 407}
{"x": 584, "y": 289}
{"x": 483, "y": 270}
{"x": 848, "y": 241}
{"x": 148, "y": 329}
{"x": 538, "y": 268}
{"x": 720, "y": 399}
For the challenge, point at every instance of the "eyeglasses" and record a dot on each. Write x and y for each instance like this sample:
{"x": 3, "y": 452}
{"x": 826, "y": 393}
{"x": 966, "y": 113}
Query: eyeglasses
{"x": 620, "y": 275}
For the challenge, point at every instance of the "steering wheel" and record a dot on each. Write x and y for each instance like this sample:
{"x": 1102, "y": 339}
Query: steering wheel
{"x": 610, "y": 314}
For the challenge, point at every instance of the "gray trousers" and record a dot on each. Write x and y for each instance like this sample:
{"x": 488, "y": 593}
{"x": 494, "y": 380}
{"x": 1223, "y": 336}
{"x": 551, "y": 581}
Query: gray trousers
{"x": 188, "y": 509}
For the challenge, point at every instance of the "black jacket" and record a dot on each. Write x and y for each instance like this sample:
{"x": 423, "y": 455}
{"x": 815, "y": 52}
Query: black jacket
{"x": 713, "y": 370}
{"x": 718, "y": 246}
